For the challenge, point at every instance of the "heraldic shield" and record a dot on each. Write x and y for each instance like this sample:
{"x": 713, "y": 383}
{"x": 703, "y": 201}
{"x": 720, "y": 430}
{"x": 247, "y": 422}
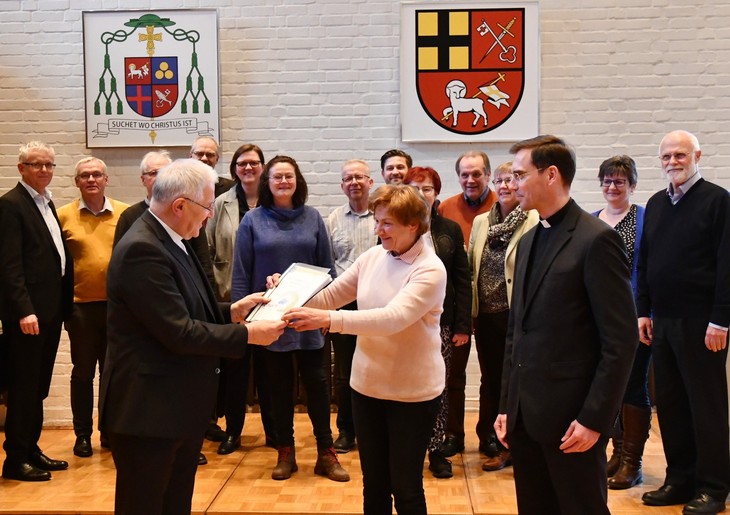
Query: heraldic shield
{"x": 470, "y": 66}
{"x": 151, "y": 85}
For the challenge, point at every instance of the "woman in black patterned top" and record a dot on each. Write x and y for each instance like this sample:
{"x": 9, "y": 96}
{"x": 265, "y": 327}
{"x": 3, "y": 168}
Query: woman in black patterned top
{"x": 617, "y": 177}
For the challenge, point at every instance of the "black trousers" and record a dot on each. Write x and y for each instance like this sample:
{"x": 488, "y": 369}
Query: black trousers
{"x": 280, "y": 366}
{"x": 155, "y": 476}
{"x": 31, "y": 359}
{"x": 551, "y": 482}
{"x": 392, "y": 437}
{"x": 490, "y": 332}
{"x": 235, "y": 391}
{"x": 87, "y": 334}
{"x": 456, "y": 391}
{"x": 344, "y": 348}
{"x": 692, "y": 406}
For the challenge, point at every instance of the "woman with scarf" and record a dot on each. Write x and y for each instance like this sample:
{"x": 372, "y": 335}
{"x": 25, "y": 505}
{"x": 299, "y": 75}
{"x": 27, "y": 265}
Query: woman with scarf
{"x": 492, "y": 252}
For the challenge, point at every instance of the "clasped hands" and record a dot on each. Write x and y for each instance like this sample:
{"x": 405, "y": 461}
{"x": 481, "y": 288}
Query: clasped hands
{"x": 578, "y": 438}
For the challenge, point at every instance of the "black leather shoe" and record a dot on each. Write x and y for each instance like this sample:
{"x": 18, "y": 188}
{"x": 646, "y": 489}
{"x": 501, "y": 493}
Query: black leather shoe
{"x": 214, "y": 433}
{"x": 82, "y": 447}
{"x": 43, "y": 462}
{"x": 451, "y": 446}
{"x": 439, "y": 466}
{"x": 344, "y": 443}
{"x": 202, "y": 460}
{"x": 230, "y": 444}
{"x": 703, "y": 504}
{"x": 25, "y": 472}
{"x": 667, "y": 495}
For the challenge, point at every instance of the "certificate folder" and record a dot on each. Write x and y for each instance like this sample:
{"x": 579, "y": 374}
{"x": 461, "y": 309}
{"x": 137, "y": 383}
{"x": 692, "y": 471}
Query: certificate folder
{"x": 299, "y": 283}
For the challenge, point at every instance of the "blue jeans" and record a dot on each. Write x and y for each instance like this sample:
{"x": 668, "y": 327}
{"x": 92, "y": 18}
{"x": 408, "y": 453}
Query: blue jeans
{"x": 392, "y": 437}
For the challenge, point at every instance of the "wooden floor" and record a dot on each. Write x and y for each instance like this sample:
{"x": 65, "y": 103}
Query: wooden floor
{"x": 240, "y": 482}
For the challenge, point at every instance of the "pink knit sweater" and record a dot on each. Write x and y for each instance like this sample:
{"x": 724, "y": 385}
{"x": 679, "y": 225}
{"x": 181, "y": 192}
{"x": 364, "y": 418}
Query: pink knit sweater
{"x": 400, "y": 299}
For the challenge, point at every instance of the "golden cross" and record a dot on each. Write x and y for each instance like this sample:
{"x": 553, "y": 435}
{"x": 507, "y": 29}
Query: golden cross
{"x": 150, "y": 38}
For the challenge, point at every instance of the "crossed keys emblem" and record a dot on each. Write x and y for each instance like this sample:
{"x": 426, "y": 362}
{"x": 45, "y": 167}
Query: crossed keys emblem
{"x": 508, "y": 53}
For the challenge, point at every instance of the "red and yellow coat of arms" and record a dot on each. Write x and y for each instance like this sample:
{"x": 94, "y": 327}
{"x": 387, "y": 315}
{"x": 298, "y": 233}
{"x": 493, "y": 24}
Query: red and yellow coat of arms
{"x": 470, "y": 66}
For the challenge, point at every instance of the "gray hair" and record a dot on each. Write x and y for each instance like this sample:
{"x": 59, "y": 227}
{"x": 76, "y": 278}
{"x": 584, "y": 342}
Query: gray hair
{"x": 89, "y": 159}
{"x": 183, "y": 178}
{"x": 151, "y": 155}
{"x": 31, "y": 146}
{"x": 357, "y": 161}
{"x": 217, "y": 147}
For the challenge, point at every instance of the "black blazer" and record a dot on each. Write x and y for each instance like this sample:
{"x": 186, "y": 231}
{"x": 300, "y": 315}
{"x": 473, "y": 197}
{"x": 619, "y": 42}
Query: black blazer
{"x": 572, "y": 335}
{"x": 30, "y": 266}
{"x": 166, "y": 333}
{"x": 448, "y": 241}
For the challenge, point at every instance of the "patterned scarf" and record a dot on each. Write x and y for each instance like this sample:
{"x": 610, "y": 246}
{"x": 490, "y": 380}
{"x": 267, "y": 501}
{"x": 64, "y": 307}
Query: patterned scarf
{"x": 500, "y": 232}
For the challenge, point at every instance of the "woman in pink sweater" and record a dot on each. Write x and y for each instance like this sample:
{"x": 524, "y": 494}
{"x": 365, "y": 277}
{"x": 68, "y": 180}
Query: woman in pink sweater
{"x": 397, "y": 370}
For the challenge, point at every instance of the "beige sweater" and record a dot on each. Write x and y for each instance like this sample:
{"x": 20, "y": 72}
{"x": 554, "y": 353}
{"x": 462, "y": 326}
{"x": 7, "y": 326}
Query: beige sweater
{"x": 400, "y": 299}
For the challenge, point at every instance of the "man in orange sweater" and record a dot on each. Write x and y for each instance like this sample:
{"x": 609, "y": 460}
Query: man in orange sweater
{"x": 476, "y": 198}
{"x": 88, "y": 224}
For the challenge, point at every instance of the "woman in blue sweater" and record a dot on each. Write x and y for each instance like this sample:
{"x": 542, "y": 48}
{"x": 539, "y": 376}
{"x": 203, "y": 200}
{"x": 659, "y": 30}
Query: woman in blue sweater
{"x": 617, "y": 177}
{"x": 282, "y": 231}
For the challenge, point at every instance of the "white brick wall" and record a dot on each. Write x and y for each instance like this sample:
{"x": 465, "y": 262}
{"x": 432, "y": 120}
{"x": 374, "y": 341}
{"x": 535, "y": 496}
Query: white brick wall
{"x": 318, "y": 79}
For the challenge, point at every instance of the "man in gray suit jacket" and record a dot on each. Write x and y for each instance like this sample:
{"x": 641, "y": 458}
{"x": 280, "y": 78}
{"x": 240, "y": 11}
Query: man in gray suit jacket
{"x": 570, "y": 343}
{"x": 166, "y": 334}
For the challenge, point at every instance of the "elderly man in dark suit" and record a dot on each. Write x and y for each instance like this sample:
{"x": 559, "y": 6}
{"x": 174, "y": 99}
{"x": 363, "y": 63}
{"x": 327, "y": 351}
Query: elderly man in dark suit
{"x": 570, "y": 343}
{"x": 36, "y": 295}
{"x": 166, "y": 334}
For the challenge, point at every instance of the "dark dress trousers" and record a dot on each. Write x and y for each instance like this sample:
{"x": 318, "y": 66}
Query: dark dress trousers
{"x": 30, "y": 283}
{"x": 166, "y": 335}
{"x": 571, "y": 341}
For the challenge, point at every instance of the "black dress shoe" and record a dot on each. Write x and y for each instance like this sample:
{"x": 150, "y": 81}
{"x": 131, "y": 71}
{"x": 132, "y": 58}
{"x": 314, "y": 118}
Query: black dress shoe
{"x": 230, "y": 444}
{"x": 25, "y": 472}
{"x": 43, "y": 462}
{"x": 451, "y": 446}
{"x": 214, "y": 433}
{"x": 202, "y": 460}
{"x": 667, "y": 495}
{"x": 704, "y": 504}
{"x": 82, "y": 447}
{"x": 344, "y": 443}
{"x": 439, "y": 466}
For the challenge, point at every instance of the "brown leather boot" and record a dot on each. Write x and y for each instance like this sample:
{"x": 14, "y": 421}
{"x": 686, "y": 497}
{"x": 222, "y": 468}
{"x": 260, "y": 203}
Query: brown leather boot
{"x": 286, "y": 463}
{"x": 637, "y": 422}
{"x": 615, "y": 460}
{"x": 328, "y": 465}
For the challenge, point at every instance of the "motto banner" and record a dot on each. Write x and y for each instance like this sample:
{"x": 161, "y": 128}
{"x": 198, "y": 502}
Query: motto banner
{"x": 470, "y": 71}
{"x": 150, "y": 78}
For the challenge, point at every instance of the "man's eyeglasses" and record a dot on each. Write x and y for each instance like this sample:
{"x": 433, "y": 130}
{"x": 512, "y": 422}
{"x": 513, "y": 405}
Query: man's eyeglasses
{"x": 498, "y": 182}
{"x": 209, "y": 208}
{"x": 619, "y": 183}
{"x": 354, "y": 178}
{"x": 89, "y": 175}
{"x": 680, "y": 156}
{"x": 36, "y": 167}
{"x": 520, "y": 176}
{"x": 248, "y": 164}
{"x": 200, "y": 155}
{"x": 151, "y": 174}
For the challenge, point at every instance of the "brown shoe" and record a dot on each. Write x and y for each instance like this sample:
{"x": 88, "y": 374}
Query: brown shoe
{"x": 328, "y": 465}
{"x": 286, "y": 464}
{"x": 498, "y": 462}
